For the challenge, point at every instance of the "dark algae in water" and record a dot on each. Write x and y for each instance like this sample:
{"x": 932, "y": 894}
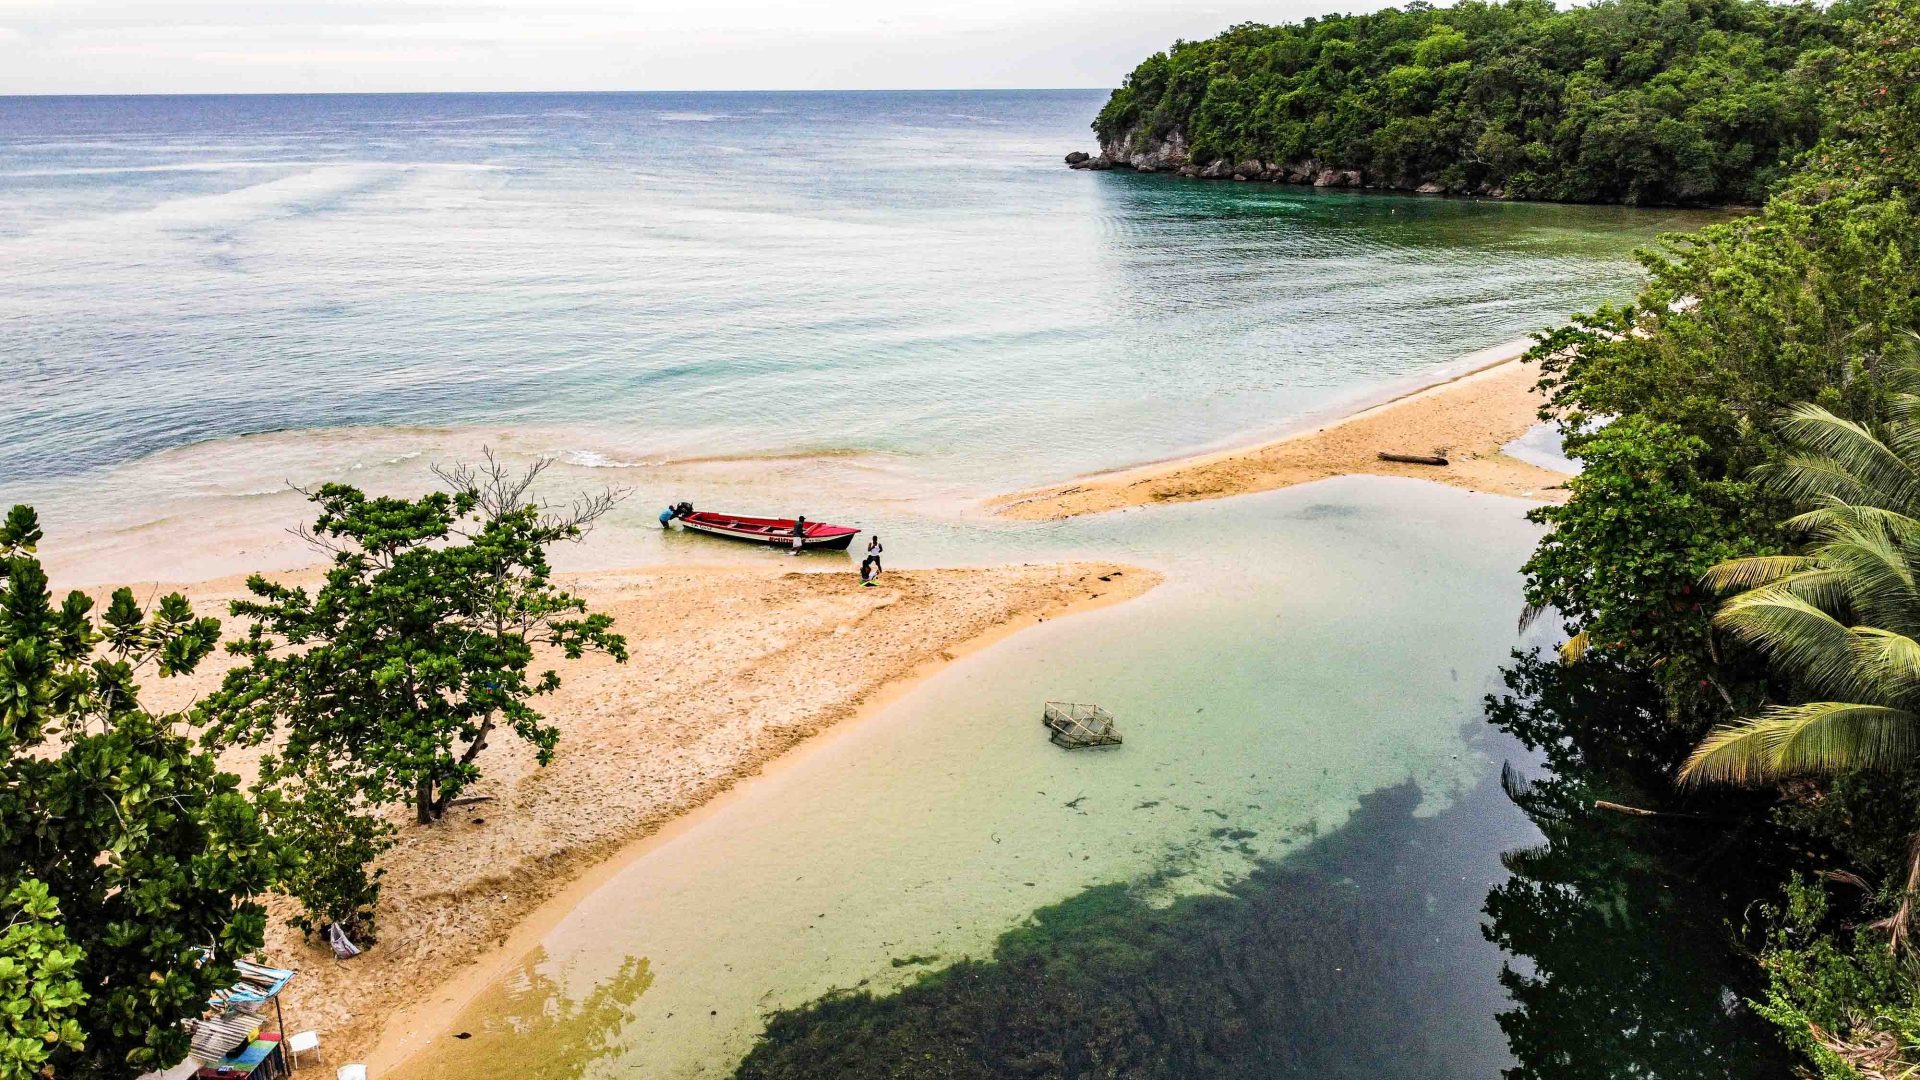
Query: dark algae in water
{"x": 1351, "y": 958}
{"x": 1517, "y": 933}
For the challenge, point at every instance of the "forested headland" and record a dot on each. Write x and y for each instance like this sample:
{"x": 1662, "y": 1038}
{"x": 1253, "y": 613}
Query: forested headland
{"x": 1652, "y": 102}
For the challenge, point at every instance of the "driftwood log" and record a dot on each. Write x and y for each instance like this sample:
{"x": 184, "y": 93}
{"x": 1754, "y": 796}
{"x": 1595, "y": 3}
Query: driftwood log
{"x": 1413, "y": 459}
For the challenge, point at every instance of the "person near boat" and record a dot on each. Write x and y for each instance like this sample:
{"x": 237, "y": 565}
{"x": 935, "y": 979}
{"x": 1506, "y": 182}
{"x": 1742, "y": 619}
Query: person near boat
{"x": 873, "y": 551}
{"x": 799, "y": 533}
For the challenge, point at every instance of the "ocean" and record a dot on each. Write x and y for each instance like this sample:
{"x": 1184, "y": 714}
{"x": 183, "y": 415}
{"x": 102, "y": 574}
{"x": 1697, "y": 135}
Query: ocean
{"x": 880, "y": 309}
{"x": 898, "y": 303}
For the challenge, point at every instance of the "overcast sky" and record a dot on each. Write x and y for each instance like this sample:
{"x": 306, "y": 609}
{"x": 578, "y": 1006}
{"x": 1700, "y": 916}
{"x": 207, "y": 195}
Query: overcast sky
{"x": 192, "y": 46}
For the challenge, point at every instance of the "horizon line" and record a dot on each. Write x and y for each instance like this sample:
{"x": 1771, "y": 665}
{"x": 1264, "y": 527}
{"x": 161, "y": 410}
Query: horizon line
{"x": 477, "y": 93}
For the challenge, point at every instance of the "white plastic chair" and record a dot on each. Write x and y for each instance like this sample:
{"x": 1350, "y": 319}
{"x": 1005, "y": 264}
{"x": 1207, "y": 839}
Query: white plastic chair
{"x": 351, "y": 1072}
{"x": 302, "y": 1042}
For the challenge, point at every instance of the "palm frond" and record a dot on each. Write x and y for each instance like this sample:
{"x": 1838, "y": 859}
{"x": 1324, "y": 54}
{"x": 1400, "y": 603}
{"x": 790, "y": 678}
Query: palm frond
{"x": 1890, "y": 663}
{"x": 1575, "y": 648}
{"x": 1817, "y": 737}
{"x": 1807, "y": 478}
{"x": 1880, "y": 580}
{"x": 1531, "y": 614}
{"x": 1901, "y": 431}
{"x": 1796, "y": 635}
{"x": 1902, "y": 378}
{"x": 1835, "y": 736}
{"x": 1824, "y": 588}
{"x": 1888, "y": 479}
{"x": 1835, "y": 517}
{"x": 1754, "y": 571}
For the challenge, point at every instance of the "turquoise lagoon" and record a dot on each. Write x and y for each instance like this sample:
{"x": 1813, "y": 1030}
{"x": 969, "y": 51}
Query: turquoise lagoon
{"x": 1310, "y": 647}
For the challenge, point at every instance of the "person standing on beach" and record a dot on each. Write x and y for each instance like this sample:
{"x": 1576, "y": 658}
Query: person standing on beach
{"x": 799, "y": 533}
{"x": 873, "y": 551}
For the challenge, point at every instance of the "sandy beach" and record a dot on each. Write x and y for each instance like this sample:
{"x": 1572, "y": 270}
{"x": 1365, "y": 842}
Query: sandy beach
{"x": 730, "y": 667}
{"x": 1466, "y": 418}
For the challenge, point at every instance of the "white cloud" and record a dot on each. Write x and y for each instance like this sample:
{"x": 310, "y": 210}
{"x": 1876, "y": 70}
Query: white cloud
{"x": 158, "y": 46}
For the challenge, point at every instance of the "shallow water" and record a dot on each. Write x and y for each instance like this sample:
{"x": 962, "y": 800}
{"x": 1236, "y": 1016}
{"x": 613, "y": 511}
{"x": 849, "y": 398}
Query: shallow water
{"x": 896, "y": 302}
{"x": 885, "y": 305}
{"x": 1250, "y": 692}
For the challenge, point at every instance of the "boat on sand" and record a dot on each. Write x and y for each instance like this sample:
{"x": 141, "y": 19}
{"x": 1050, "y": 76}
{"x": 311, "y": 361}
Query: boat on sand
{"x": 775, "y": 532}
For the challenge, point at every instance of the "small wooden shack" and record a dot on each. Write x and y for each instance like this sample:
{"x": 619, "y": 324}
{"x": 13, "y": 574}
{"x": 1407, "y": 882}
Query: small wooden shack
{"x": 1075, "y": 726}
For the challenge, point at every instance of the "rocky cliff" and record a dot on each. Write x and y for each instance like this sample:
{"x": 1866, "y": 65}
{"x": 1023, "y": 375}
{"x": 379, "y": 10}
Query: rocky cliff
{"x": 1146, "y": 152}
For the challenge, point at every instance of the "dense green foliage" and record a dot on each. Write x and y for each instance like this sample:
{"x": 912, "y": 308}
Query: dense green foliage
{"x": 385, "y": 683}
{"x": 1637, "y": 101}
{"x": 40, "y": 992}
{"x": 340, "y": 836}
{"x": 129, "y": 863}
{"x": 1847, "y": 1002}
{"x": 1675, "y": 404}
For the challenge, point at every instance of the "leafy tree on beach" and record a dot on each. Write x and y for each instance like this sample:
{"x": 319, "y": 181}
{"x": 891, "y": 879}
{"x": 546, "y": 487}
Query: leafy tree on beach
{"x": 128, "y": 863}
{"x": 419, "y": 646}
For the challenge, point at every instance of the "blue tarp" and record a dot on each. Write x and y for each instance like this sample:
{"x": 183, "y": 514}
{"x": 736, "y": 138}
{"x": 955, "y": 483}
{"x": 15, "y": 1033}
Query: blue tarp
{"x": 257, "y": 983}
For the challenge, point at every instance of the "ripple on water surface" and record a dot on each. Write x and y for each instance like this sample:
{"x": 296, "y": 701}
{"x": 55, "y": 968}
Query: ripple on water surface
{"x": 466, "y": 260}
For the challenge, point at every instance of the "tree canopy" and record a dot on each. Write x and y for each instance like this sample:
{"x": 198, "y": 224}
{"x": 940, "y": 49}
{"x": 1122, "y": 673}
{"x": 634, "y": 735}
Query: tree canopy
{"x": 419, "y": 644}
{"x": 385, "y": 683}
{"x": 1634, "y": 101}
{"x": 128, "y": 863}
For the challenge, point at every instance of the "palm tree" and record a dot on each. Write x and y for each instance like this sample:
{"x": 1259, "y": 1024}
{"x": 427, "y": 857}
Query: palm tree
{"x": 1843, "y": 619}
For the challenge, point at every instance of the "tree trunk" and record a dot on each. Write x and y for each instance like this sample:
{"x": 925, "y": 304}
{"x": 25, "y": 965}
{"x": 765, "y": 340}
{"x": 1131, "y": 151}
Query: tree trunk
{"x": 423, "y": 801}
{"x": 1898, "y": 923}
{"x": 478, "y": 744}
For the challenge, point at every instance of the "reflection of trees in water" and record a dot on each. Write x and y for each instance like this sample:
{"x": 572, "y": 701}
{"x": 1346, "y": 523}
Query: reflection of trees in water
{"x": 529, "y": 1028}
{"x": 1359, "y": 956}
{"x": 1622, "y": 928}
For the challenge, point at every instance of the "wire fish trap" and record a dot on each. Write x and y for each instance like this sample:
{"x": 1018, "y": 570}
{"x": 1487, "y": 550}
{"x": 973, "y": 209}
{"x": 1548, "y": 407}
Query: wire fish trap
{"x": 1076, "y": 726}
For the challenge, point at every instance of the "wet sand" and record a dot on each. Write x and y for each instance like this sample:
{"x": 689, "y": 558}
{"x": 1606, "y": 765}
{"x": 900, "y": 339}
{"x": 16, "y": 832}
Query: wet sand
{"x": 730, "y": 667}
{"x": 1466, "y": 418}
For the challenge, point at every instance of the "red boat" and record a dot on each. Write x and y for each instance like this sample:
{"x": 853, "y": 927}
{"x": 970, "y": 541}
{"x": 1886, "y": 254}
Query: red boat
{"x": 777, "y": 532}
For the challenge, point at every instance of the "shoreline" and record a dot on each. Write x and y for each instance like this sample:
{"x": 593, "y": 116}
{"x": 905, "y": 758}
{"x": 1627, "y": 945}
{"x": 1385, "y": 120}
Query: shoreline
{"x": 1470, "y": 415}
{"x": 1169, "y": 159}
{"x": 734, "y": 668}
{"x": 408, "y": 1032}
